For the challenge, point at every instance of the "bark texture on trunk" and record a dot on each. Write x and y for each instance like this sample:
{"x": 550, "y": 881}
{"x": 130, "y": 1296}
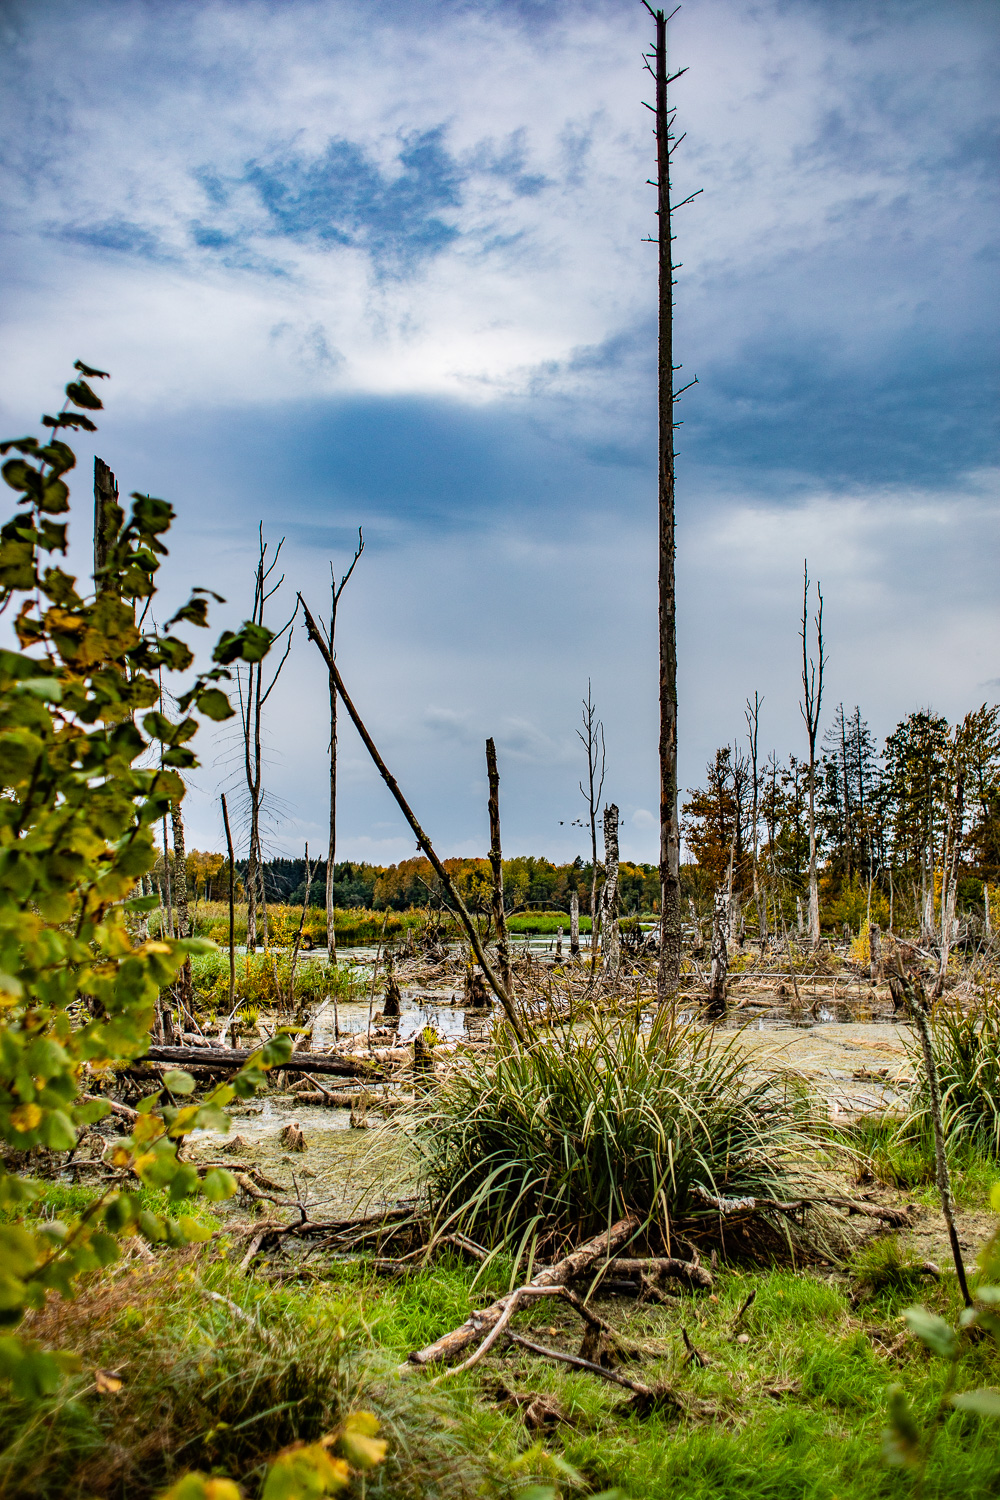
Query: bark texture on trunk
{"x": 496, "y": 865}
{"x": 720, "y": 955}
{"x": 669, "y": 969}
{"x": 108, "y": 517}
{"x": 611, "y": 955}
{"x": 574, "y": 924}
{"x": 874, "y": 951}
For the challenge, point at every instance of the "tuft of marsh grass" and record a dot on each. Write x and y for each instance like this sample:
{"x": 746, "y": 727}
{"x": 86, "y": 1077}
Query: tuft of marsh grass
{"x": 967, "y": 1050}
{"x": 541, "y": 1147}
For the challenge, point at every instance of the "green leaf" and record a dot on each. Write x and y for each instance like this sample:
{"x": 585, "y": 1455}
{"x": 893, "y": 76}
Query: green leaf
{"x": 985, "y": 1402}
{"x": 80, "y": 394}
{"x": 932, "y": 1331}
{"x": 901, "y": 1439}
{"x": 214, "y": 704}
{"x": 276, "y": 1052}
{"x": 218, "y": 1184}
{"x": 178, "y": 1081}
{"x": 90, "y": 374}
{"x": 251, "y": 643}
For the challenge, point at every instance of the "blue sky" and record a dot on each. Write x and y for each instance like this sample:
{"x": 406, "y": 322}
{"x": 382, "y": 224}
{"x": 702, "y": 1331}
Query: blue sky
{"x": 385, "y": 266}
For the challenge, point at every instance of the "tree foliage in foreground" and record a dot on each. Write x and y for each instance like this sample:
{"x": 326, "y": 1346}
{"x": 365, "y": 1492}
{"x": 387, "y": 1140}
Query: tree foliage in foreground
{"x": 88, "y": 764}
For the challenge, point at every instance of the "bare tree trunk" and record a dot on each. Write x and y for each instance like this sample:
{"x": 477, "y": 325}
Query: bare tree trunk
{"x": 574, "y": 924}
{"x": 335, "y": 592}
{"x": 185, "y": 987}
{"x": 496, "y": 864}
{"x": 753, "y": 725}
{"x": 720, "y": 955}
{"x": 987, "y": 915}
{"x": 669, "y": 967}
{"x": 610, "y": 942}
{"x": 298, "y": 935}
{"x": 593, "y": 742}
{"x": 810, "y": 708}
{"x": 166, "y": 881}
{"x": 232, "y": 910}
{"x": 108, "y": 517}
{"x": 874, "y": 951}
{"x": 253, "y": 696}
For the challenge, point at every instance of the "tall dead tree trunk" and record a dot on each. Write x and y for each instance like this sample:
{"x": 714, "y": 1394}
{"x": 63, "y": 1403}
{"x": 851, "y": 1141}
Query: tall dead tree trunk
{"x": 574, "y": 924}
{"x": 760, "y": 905}
{"x": 253, "y": 696}
{"x": 185, "y": 988}
{"x": 592, "y": 740}
{"x": 331, "y": 858}
{"x": 611, "y": 955}
{"x": 669, "y": 968}
{"x": 108, "y": 517}
{"x": 496, "y": 864}
{"x": 810, "y": 707}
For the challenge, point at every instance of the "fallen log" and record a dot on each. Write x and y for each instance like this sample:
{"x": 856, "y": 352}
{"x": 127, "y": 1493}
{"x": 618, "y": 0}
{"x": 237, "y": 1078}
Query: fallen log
{"x": 235, "y": 1057}
{"x": 664, "y": 1266}
{"x": 565, "y": 1270}
{"x": 897, "y": 1218}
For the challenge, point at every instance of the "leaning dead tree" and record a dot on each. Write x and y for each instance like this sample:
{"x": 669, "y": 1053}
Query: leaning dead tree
{"x": 336, "y": 589}
{"x": 472, "y": 931}
{"x": 812, "y": 703}
{"x": 253, "y": 695}
{"x": 669, "y": 971}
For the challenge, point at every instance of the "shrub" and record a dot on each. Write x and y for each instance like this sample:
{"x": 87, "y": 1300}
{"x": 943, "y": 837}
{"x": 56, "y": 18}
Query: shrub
{"x": 967, "y": 1049}
{"x": 544, "y": 1146}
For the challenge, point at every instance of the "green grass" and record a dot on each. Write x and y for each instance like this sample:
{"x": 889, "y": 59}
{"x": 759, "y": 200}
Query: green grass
{"x": 544, "y": 922}
{"x": 900, "y": 1154}
{"x": 264, "y": 979}
{"x": 795, "y": 1412}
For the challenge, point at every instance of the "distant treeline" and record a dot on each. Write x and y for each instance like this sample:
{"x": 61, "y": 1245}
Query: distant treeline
{"x": 528, "y": 883}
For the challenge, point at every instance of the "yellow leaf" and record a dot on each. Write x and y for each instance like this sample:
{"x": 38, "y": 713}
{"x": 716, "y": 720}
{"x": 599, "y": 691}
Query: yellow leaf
{"x": 121, "y": 1156}
{"x": 154, "y": 947}
{"x": 25, "y": 1117}
{"x": 363, "y": 1448}
{"x": 107, "y": 1382}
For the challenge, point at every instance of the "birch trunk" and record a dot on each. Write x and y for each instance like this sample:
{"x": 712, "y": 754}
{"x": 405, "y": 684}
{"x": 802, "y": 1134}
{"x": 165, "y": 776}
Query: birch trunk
{"x": 720, "y": 955}
{"x": 574, "y": 924}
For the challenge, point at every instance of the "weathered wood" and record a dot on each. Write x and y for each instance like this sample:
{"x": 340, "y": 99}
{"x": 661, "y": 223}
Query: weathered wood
{"x": 496, "y": 865}
{"x": 566, "y": 1270}
{"x": 663, "y": 1265}
{"x": 232, "y": 919}
{"x": 611, "y": 953}
{"x": 235, "y": 1057}
{"x": 108, "y": 517}
{"x": 720, "y": 955}
{"x": 669, "y": 968}
{"x": 574, "y": 925}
